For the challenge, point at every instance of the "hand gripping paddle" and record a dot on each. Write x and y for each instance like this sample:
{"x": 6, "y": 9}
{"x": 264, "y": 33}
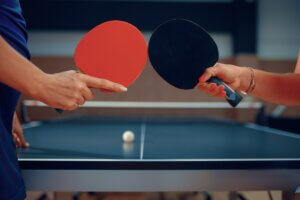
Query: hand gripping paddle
{"x": 180, "y": 51}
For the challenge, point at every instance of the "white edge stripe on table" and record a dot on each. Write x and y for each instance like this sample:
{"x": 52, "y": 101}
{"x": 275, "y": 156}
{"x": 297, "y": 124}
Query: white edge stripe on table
{"x": 31, "y": 124}
{"x": 143, "y": 135}
{"x": 151, "y": 104}
{"x": 156, "y": 160}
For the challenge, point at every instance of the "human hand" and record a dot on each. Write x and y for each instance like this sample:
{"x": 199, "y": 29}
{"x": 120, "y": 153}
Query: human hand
{"x": 70, "y": 89}
{"x": 17, "y": 133}
{"x": 237, "y": 78}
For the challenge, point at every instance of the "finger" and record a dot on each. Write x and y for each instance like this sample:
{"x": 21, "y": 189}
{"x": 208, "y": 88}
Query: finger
{"x": 87, "y": 93}
{"x": 220, "y": 95}
{"x": 80, "y": 100}
{"x": 70, "y": 106}
{"x": 77, "y": 94}
{"x": 213, "y": 88}
{"x": 22, "y": 139}
{"x": 203, "y": 86}
{"x": 221, "y": 92}
{"x": 221, "y": 88}
{"x": 102, "y": 83}
{"x": 208, "y": 73}
{"x": 211, "y": 72}
{"x": 217, "y": 90}
{"x": 66, "y": 103}
{"x": 18, "y": 141}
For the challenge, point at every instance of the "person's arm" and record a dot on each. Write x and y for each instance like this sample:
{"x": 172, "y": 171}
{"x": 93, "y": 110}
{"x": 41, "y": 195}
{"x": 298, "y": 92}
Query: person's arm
{"x": 277, "y": 88}
{"x": 272, "y": 87}
{"x": 65, "y": 90}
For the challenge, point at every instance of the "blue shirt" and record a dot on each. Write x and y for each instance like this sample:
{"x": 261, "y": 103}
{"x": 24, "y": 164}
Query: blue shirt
{"x": 12, "y": 29}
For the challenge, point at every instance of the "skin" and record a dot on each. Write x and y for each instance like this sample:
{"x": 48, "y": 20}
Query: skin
{"x": 272, "y": 87}
{"x": 297, "y": 68}
{"x": 17, "y": 133}
{"x": 65, "y": 90}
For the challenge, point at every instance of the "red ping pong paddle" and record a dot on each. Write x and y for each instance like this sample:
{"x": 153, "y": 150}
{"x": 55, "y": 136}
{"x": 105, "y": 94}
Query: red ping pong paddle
{"x": 114, "y": 50}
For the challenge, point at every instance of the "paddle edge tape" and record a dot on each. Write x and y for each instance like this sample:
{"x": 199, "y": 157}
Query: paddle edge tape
{"x": 141, "y": 41}
{"x": 152, "y": 57}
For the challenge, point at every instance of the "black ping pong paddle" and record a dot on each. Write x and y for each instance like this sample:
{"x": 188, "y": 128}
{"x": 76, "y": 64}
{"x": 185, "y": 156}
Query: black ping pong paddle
{"x": 180, "y": 51}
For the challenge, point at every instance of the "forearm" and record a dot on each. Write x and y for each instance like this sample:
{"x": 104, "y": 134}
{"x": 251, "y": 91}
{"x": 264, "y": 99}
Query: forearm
{"x": 277, "y": 88}
{"x": 17, "y": 72}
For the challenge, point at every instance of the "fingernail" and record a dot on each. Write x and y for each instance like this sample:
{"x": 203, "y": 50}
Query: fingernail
{"x": 27, "y": 144}
{"x": 124, "y": 89}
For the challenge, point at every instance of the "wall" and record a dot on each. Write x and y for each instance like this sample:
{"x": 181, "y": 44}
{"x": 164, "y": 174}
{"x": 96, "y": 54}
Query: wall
{"x": 278, "y": 34}
{"x": 278, "y": 29}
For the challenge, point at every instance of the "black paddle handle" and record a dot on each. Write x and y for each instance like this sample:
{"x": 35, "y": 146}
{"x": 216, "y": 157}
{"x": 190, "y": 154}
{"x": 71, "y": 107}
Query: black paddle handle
{"x": 60, "y": 111}
{"x": 232, "y": 97}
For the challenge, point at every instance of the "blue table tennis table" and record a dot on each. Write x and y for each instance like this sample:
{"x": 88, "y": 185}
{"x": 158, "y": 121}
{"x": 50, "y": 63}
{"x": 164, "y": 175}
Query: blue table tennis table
{"x": 168, "y": 154}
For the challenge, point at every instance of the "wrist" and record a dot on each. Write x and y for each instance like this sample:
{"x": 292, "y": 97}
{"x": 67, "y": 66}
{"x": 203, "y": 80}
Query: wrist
{"x": 37, "y": 85}
{"x": 245, "y": 78}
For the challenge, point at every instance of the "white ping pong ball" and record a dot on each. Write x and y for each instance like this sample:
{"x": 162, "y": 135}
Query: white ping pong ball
{"x": 128, "y": 136}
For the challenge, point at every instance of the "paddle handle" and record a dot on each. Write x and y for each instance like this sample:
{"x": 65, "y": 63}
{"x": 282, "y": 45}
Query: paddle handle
{"x": 60, "y": 111}
{"x": 232, "y": 97}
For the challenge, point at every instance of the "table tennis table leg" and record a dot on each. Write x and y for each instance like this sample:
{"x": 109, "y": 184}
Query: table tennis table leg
{"x": 236, "y": 196}
{"x": 75, "y": 196}
{"x": 288, "y": 195}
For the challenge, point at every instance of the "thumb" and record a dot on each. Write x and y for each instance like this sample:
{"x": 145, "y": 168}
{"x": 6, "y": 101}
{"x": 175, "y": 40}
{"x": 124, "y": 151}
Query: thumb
{"x": 209, "y": 72}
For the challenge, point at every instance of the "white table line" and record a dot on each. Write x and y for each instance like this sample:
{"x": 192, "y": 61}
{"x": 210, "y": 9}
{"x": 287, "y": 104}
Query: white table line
{"x": 152, "y": 104}
{"x": 143, "y": 135}
{"x": 157, "y": 160}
